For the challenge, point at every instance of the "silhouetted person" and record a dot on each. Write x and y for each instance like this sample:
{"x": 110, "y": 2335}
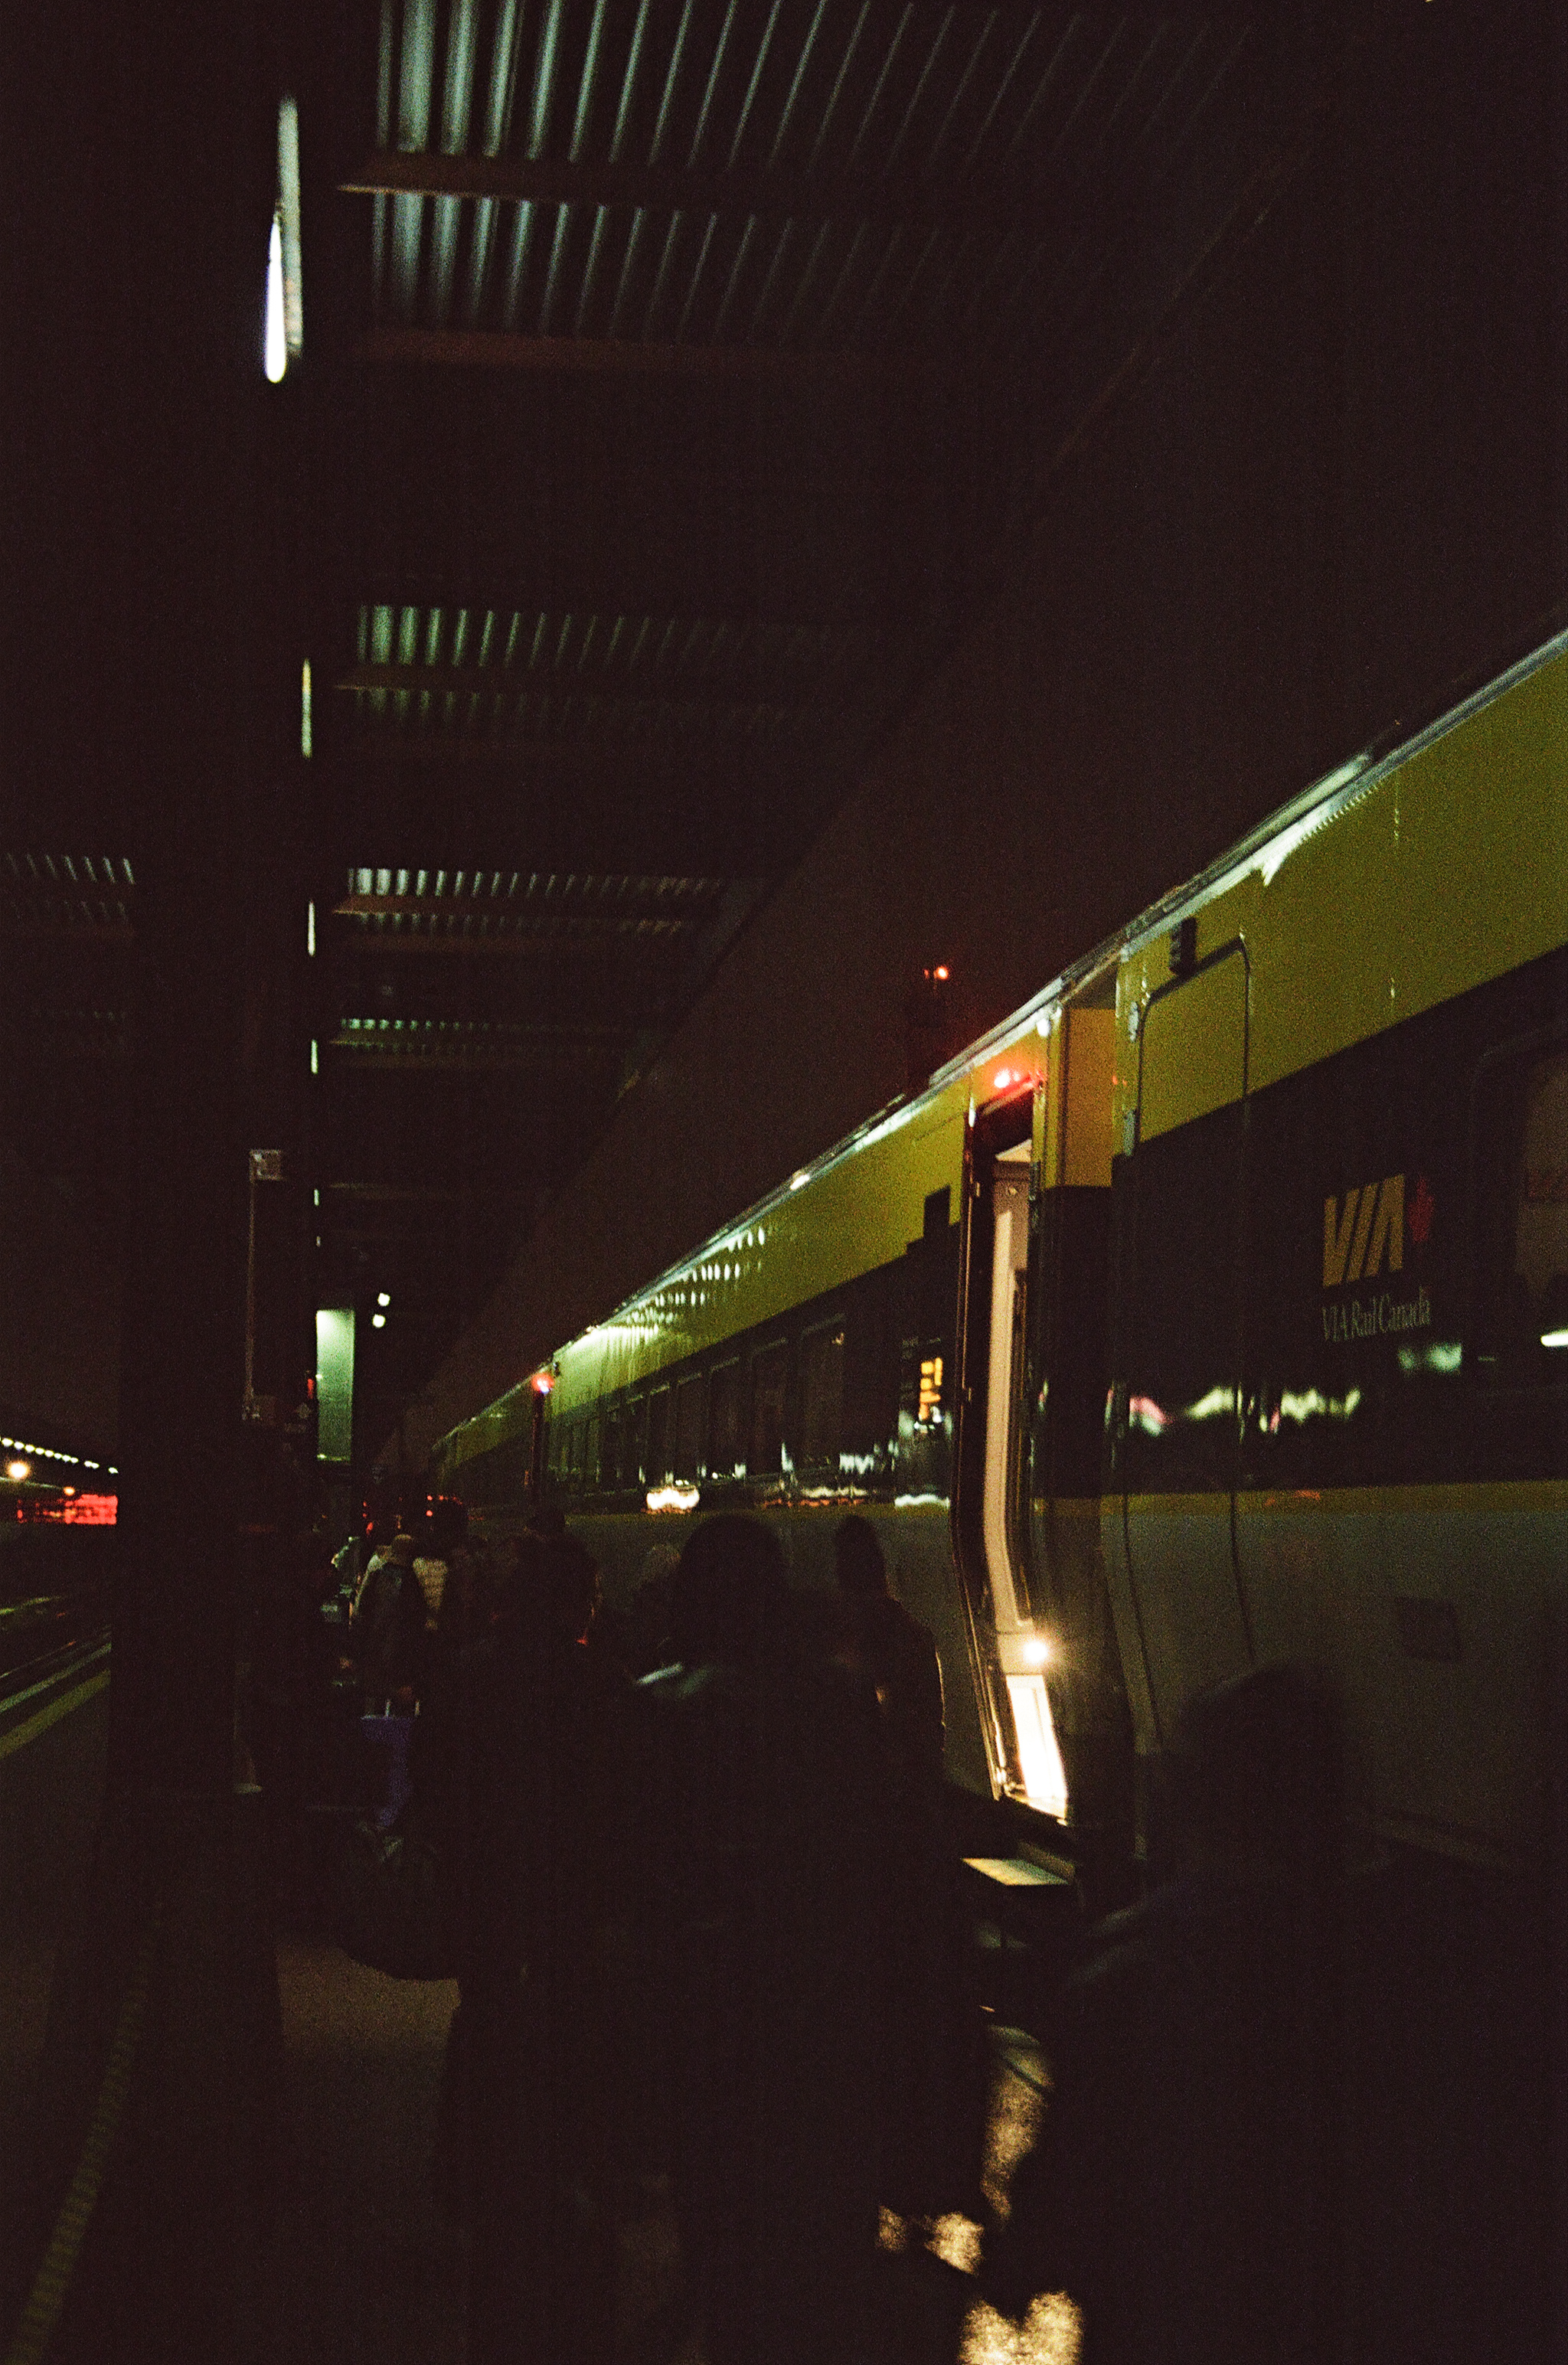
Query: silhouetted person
{"x": 895, "y": 1652}
{"x": 372, "y": 1627}
{"x": 933, "y": 2039}
{"x": 765, "y": 1840}
{"x": 1183, "y": 2191}
{"x": 446, "y": 1535}
{"x": 651, "y": 1646}
{"x": 535, "y": 1781}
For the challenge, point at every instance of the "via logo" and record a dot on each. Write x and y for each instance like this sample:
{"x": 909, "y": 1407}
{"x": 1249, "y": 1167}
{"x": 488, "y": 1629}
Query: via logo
{"x": 1372, "y": 1222}
{"x": 1348, "y": 1233}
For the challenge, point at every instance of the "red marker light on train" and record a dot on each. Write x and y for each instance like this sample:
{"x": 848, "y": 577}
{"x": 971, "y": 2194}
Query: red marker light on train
{"x": 542, "y": 1383}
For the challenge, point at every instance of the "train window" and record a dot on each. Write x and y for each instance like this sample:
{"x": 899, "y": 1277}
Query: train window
{"x": 634, "y": 1421}
{"x": 1521, "y": 1199}
{"x": 656, "y": 1461}
{"x": 497, "y": 1475}
{"x": 724, "y": 1441}
{"x": 610, "y": 1463}
{"x": 770, "y": 1377}
{"x": 688, "y": 1428}
{"x": 822, "y": 1400}
{"x": 590, "y": 1452}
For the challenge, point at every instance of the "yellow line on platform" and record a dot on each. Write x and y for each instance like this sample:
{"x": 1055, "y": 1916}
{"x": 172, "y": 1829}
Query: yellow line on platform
{"x": 45, "y": 2302}
{"x": 50, "y": 1715}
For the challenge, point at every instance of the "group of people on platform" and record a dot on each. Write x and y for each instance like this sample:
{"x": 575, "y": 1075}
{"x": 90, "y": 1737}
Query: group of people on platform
{"x": 707, "y": 1923}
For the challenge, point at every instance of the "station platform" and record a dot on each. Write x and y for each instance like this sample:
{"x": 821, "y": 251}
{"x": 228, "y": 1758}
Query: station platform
{"x": 339, "y": 2248}
{"x": 367, "y": 2266}
{"x": 352, "y": 2259}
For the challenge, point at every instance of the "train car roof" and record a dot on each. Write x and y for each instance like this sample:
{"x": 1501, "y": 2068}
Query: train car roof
{"x": 1267, "y": 846}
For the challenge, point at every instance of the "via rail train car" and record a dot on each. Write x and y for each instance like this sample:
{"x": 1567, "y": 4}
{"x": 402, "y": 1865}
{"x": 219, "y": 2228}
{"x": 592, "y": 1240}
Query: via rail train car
{"x": 1212, "y": 1311}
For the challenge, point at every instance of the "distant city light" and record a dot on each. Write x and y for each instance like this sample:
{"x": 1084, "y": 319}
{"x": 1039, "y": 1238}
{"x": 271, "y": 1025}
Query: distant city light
{"x": 310, "y": 929}
{"x": 383, "y": 1298}
{"x": 940, "y": 973}
{"x": 19, "y": 1469}
{"x": 1555, "y": 1338}
{"x": 90, "y": 1511}
{"x": 315, "y": 1058}
{"x": 305, "y": 717}
{"x": 378, "y": 1321}
{"x": 276, "y": 360}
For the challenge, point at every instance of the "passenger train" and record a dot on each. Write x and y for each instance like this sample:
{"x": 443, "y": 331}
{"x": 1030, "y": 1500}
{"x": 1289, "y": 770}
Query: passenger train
{"x": 1211, "y": 1311}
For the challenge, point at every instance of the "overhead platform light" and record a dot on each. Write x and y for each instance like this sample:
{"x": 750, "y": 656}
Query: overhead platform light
{"x": 288, "y": 224}
{"x": 276, "y": 359}
{"x": 285, "y": 309}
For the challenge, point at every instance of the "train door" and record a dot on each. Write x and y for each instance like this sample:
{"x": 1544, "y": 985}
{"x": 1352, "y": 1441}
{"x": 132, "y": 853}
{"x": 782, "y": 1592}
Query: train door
{"x": 1178, "y": 1329}
{"x": 1070, "y": 1372}
{"x": 989, "y": 1521}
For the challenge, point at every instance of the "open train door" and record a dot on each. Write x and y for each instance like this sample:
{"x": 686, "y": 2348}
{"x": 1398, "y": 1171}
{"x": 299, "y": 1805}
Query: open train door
{"x": 1178, "y": 1194}
{"x": 1068, "y": 1377}
{"x": 990, "y": 1519}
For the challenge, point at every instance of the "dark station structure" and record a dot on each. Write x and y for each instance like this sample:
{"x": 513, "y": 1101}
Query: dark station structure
{"x": 595, "y": 589}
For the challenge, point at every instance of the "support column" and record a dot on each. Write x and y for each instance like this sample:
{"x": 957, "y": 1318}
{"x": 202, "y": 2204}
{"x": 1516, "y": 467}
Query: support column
{"x": 151, "y": 557}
